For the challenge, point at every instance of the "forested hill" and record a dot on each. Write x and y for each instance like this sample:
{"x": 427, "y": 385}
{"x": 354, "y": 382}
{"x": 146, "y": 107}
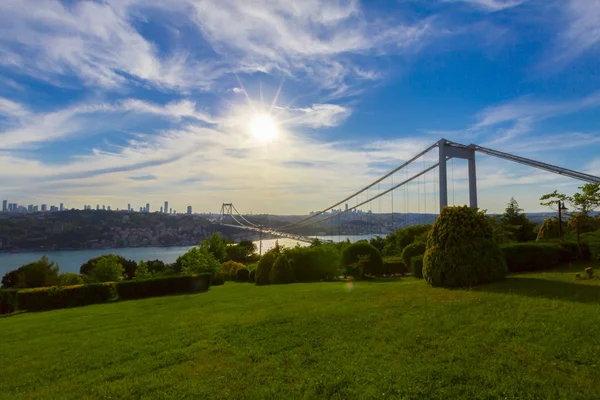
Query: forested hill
{"x": 78, "y": 229}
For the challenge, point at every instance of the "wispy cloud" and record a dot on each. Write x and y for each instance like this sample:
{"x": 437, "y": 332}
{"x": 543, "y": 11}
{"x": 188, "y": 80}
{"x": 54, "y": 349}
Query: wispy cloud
{"x": 491, "y": 5}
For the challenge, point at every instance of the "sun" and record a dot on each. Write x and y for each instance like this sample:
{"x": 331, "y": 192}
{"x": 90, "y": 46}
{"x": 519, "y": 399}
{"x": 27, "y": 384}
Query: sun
{"x": 264, "y": 128}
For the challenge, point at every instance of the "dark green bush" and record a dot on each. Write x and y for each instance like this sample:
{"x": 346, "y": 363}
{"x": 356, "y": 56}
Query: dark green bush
{"x": 40, "y": 273}
{"x": 595, "y": 252}
{"x": 252, "y": 277}
{"x": 416, "y": 266}
{"x": 394, "y": 265}
{"x": 242, "y": 275}
{"x": 413, "y": 250}
{"x": 361, "y": 259}
{"x": 265, "y": 264}
{"x": 535, "y": 256}
{"x": 462, "y": 250}
{"x": 282, "y": 271}
{"x": 315, "y": 263}
{"x": 217, "y": 280}
{"x": 137, "y": 289}
{"x": 55, "y": 297}
{"x": 8, "y": 301}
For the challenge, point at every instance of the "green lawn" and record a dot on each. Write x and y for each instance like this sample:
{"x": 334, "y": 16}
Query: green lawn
{"x": 531, "y": 336}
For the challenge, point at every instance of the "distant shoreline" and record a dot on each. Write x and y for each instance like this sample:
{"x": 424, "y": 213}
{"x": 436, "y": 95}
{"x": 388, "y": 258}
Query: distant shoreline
{"x": 91, "y": 248}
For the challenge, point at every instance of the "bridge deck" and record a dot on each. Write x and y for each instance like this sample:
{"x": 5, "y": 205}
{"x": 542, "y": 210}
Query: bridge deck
{"x": 273, "y": 232}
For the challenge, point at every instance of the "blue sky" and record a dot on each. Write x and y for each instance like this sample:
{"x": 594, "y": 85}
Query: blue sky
{"x": 136, "y": 101}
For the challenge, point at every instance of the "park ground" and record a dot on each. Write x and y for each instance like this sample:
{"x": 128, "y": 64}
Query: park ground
{"x": 532, "y": 336}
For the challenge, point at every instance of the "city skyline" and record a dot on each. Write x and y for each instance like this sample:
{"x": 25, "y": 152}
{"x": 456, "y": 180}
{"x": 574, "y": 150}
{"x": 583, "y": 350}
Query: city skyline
{"x": 286, "y": 107}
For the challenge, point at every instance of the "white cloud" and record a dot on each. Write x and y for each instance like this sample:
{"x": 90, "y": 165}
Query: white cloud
{"x": 11, "y": 109}
{"x": 491, "y": 5}
{"x": 317, "y": 116}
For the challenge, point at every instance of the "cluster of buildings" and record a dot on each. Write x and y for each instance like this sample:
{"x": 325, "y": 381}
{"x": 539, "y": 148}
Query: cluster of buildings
{"x": 339, "y": 210}
{"x": 14, "y": 207}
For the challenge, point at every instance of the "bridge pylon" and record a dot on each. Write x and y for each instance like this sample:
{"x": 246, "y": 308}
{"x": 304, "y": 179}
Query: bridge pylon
{"x": 448, "y": 150}
{"x": 226, "y": 209}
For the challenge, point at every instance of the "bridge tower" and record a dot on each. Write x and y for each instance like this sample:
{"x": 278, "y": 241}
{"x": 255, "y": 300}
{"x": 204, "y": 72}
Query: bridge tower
{"x": 448, "y": 150}
{"x": 226, "y": 209}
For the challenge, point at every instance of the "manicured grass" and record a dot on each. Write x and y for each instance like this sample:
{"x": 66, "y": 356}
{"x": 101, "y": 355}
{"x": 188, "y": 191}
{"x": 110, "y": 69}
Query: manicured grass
{"x": 533, "y": 336}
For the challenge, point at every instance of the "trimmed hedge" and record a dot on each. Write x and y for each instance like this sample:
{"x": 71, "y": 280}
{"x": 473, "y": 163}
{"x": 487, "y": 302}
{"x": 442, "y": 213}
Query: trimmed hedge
{"x": 252, "y": 278}
{"x": 536, "y": 256}
{"x": 413, "y": 250}
{"x": 416, "y": 266}
{"x": 138, "y": 289}
{"x": 282, "y": 271}
{"x": 55, "y": 297}
{"x": 217, "y": 280}
{"x": 8, "y": 301}
{"x": 394, "y": 265}
{"x": 242, "y": 275}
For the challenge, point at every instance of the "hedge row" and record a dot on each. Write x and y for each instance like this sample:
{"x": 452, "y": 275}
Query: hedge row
{"x": 56, "y": 297}
{"x": 536, "y": 256}
{"x": 394, "y": 265}
{"x": 416, "y": 266}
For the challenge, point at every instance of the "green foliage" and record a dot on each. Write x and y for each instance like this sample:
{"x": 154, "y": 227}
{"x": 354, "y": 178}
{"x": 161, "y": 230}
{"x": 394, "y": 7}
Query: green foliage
{"x": 252, "y": 276}
{"x": 314, "y": 263}
{"x": 242, "y": 275}
{"x": 360, "y": 259}
{"x": 462, "y": 250}
{"x": 8, "y": 301}
{"x": 142, "y": 271}
{"x": 265, "y": 265}
{"x": 198, "y": 260}
{"x": 36, "y": 274}
{"x": 217, "y": 280}
{"x": 532, "y": 256}
{"x": 70, "y": 279}
{"x": 129, "y": 266}
{"x": 252, "y": 266}
{"x": 55, "y": 297}
{"x": 230, "y": 268}
{"x": 413, "y": 250}
{"x": 162, "y": 286}
{"x": 517, "y": 226}
{"x": 106, "y": 269}
{"x": 550, "y": 229}
{"x": 156, "y": 267}
{"x": 215, "y": 245}
{"x": 397, "y": 241}
{"x": 416, "y": 266}
{"x": 394, "y": 265}
{"x": 595, "y": 252}
{"x": 243, "y": 252}
{"x": 378, "y": 242}
{"x": 282, "y": 271}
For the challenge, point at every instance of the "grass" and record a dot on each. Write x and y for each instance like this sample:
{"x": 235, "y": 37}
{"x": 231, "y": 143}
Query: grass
{"x": 533, "y": 336}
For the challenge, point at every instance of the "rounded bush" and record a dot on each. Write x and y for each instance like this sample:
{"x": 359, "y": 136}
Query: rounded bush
{"x": 242, "y": 275}
{"x": 217, "y": 280}
{"x": 550, "y": 229}
{"x": 360, "y": 259}
{"x": 265, "y": 265}
{"x": 413, "y": 250}
{"x": 416, "y": 266}
{"x": 252, "y": 277}
{"x": 229, "y": 269}
{"x": 462, "y": 250}
{"x": 282, "y": 271}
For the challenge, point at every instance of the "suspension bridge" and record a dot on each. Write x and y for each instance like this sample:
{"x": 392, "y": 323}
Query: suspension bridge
{"x": 434, "y": 166}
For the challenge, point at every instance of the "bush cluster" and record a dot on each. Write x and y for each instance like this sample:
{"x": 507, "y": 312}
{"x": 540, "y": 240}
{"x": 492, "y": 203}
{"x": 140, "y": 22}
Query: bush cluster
{"x": 252, "y": 277}
{"x": 462, "y": 250}
{"x": 416, "y": 267}
{"x": 535, "y": 256}
{"x": 413, "y": 250}
{"x": 242, "y": 275}
{"x": 315, "y": 263}
{"x": 282, "y": 271}
{"x": 55, "y": 297}
{"x": 263, "y": 270}
{"x": 394, "y": 266}
{"x": 8, "y": 301}
{"x": 137, "y": 289}
{"x": 361, "y": 259}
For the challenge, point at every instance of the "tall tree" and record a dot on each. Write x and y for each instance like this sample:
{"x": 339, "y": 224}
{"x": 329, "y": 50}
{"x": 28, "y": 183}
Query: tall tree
{"x": 515, "y": 225}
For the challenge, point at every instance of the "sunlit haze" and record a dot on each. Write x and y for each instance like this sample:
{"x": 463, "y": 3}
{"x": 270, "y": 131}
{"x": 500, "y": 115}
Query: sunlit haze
{"x": 285, "y": 107}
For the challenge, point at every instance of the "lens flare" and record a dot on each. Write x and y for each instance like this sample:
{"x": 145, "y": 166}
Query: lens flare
{"x": 349, "y": 286}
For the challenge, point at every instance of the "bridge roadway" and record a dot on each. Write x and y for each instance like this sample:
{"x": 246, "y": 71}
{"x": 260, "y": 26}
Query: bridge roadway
{"x": 273, "y": 232}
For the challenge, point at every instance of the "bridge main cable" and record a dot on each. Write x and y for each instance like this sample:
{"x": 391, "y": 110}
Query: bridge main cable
{"x": 363, "y": 189}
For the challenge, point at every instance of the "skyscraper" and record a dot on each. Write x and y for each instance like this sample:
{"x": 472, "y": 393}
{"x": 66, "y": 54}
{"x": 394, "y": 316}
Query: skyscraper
{"x": 161, "y": 209}
{"x": 147, "y": 207}
{"x": 97, "y": 207}
{"x": 170, "y": 211}
{"x": 30, "y": 208}
{"x": 4, "y": 205}
{"x": 189, "y": 209}
{"x": 128, "y": 207}
{"x": 44, "y": 207}
{"x": 108, "y": 208}
{"x": 61, "y": 208}
{"x": 166, "y": 206}
{"x": 141, "y": 209}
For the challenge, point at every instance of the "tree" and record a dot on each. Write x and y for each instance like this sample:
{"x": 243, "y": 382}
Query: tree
{"x": 361, "y": 258}
{"x": 129, "y": 266}
{"x": 198, "y": 260}
{"x": 282, "y": 271}
{"x": 515, "y": 225}
{"x": 229, "y": 268}
{"x": 378, "y": 242}
{"x": 582, "y": 202}
{"x": 215, "y": 245}
{"x": 249, "y": 245}
{"x": 265, "y": 264}
{"x": 512, "y": 211}
{"x": 106, "y": 269}
{"x": 142, "y": 271}
{"x": 36, "y": 274}
{"x": 70, "y": 279}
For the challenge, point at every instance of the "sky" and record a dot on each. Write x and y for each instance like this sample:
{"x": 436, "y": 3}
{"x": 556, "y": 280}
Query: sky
{"x": 287, "y": 106}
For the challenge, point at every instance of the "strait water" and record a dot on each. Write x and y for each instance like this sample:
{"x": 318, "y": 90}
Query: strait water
{"x": 71, "y": 260}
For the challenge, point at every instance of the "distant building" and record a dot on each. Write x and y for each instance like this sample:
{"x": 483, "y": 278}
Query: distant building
{"x": 170, "y": 211}
{"x": 44, "y": 207}
{"x": 108, "y": 208}
{"x": 166, "y": 206}
{"x": 147, "y": 207}
{"x": 30, "y": 208}
{"x": 62, "y": 208}
{"x": 35, "y": 209}
{"x": 4, "y": 205}
{"x": 161, "y": 209}
{"x": 128, "y": 207}
{"x": 97, "y": 207}
{"x": 346, "y": 207}
{"x": 189, "y": 210}
{"x": 53, "y": 208}
{"x": 141, "y": 209}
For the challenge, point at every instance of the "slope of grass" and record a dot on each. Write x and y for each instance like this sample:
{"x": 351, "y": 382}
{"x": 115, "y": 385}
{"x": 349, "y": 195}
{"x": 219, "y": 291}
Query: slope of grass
{"x": 533, "y": 336}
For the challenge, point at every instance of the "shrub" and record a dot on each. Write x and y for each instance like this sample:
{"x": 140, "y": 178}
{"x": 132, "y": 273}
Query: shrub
{"x": 198, "y": 260}
{"x": 55, "y": 297}
{"x": 242, "y": 275}
{"x": 550, "y": 229}
{"x": 416, "y": 266}
{"x": 265, "y": 265}
{"x": 595, "y": 252}
{"x": 8, "y": 301}
{"x": 361, "y": 258}
{"x": 313, "y": 264}
{"x": 282, "y": 271}
{"x": 106, "y": 269}
{"x": 36, "y": 274}
{"x": 217, "y": 280}
{"x": 142, "y": 271}
{"x": 394, "y": 265}
{"x": 69, "y": 279}
{"x": 129, "y": 266}
{"x": 252, "y": 277}
{"x": 230, "y": 268}
{"x": 397, "y": 241}
{"x": 535, "y": 256}
{"x": 462, "y": 250}
{"x": 162, "y": 286}
{"x": 413, "y": 250}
